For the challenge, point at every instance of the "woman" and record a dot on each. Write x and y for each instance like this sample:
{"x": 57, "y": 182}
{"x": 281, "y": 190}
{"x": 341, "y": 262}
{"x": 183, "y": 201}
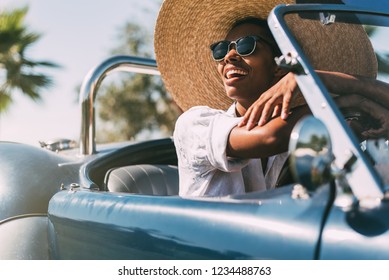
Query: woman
{"x": 217, "y": 148}
{"x": 219, "y": 152}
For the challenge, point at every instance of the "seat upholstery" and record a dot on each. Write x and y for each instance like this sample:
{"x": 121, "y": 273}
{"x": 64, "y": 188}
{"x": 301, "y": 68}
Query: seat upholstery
{"x": 157, "y": 179}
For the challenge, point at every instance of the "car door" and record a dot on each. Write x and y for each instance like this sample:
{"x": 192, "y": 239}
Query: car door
{"x": 283, "y": 223}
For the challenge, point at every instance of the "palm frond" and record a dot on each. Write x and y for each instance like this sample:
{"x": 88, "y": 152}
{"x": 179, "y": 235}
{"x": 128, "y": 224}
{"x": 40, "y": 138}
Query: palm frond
{"x": 5, "y": 101}
{"x": 20, "y": 71}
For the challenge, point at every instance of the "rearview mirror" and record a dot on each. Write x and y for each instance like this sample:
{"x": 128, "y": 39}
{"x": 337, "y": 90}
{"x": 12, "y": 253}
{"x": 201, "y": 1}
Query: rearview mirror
{"x": 311, "y": 153}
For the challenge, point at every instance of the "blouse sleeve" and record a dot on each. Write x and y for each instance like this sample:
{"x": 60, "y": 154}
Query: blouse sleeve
{"x": 200, "y": 137}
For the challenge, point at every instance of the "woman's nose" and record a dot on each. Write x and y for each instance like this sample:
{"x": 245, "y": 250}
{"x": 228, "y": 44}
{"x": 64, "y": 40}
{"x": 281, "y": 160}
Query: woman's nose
{"x": 232, "y": 55}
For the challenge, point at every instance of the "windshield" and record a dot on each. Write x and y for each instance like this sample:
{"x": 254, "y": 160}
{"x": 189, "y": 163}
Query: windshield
{"x": 331, "y": 39}
{"x": 349, "y": 53}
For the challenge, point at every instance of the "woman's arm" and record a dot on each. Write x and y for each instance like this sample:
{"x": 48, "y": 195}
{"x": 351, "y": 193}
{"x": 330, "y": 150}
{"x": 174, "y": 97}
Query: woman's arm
{"x": 344, "y": 84}
{"x": 278, "y": 99}
{"x": 263, "y": 141}
{"x": 372, "y": 120}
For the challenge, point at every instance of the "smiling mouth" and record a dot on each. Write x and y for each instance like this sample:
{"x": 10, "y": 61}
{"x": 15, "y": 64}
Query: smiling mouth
{"x": 235, "y": 73}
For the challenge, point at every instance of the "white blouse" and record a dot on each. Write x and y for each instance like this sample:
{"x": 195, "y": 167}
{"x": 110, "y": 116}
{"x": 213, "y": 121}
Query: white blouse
{"x": 200, "y": 138}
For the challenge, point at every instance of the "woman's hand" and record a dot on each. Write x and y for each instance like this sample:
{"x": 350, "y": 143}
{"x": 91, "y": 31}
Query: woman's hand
{"x": 271, "y": 103}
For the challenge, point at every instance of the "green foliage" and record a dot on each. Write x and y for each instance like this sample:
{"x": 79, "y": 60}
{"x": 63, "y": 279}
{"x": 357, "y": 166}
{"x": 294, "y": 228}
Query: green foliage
{"x": 134, "y": 40}
{"x": 383, "y": 62}
{"x": 17, "y": 72}
{"x": 382, "y": 58}
{"x": 137, "y": 106}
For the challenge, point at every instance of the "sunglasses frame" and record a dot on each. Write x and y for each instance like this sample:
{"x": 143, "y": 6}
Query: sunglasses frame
{"x": 256, "y": 38}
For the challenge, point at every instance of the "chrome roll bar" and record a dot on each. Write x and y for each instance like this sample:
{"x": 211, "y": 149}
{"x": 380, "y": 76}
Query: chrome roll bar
{"x": 91, "y": 84}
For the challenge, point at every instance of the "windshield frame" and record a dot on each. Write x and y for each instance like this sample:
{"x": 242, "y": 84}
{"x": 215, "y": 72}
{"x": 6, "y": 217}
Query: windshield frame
{"x": 362, "y": 178}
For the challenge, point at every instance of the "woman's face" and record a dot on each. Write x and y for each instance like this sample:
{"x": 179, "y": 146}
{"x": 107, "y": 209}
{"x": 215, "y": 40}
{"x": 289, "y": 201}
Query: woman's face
{"x": 246, "y": 78}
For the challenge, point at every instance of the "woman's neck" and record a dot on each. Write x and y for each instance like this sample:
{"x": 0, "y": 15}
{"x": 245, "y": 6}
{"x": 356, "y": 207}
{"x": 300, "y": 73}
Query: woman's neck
{"x": 240, "y": 109}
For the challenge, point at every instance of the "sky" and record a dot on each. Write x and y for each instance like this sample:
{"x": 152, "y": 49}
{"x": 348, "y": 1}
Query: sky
{"x": 77, "y": 35}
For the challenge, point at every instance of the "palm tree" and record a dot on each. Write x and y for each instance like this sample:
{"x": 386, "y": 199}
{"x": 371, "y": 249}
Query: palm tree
{"x": 17, "y": 72}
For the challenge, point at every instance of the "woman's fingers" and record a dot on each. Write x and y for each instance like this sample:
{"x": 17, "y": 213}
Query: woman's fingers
{"x": 286, "y": 105}
{"x": 266, "y": 113}
{"x": 273, "y": 102}
{"x": 277, "y": 110}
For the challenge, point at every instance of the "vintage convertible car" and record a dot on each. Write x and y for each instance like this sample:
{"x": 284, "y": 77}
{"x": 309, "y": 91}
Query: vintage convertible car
{"x": 121, "y": 201}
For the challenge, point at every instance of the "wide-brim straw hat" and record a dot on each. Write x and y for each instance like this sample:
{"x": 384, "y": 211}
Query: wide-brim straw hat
{"x": 185, "y": 29}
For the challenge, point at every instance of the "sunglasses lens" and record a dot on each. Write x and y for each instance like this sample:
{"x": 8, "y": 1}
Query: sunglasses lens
{"x": 219, "y": 50}
{"x": 245, "y": 45}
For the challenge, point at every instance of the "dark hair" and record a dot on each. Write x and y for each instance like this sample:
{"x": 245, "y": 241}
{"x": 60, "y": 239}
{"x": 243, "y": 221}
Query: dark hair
{"x": 262, "y": 23}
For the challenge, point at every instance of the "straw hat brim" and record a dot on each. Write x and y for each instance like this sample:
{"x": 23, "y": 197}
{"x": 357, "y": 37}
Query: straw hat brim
{"x": 185, "y": 29}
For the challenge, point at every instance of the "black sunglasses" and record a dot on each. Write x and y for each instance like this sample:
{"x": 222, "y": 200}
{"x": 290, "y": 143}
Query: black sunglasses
{"x": 244, "y": 46}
